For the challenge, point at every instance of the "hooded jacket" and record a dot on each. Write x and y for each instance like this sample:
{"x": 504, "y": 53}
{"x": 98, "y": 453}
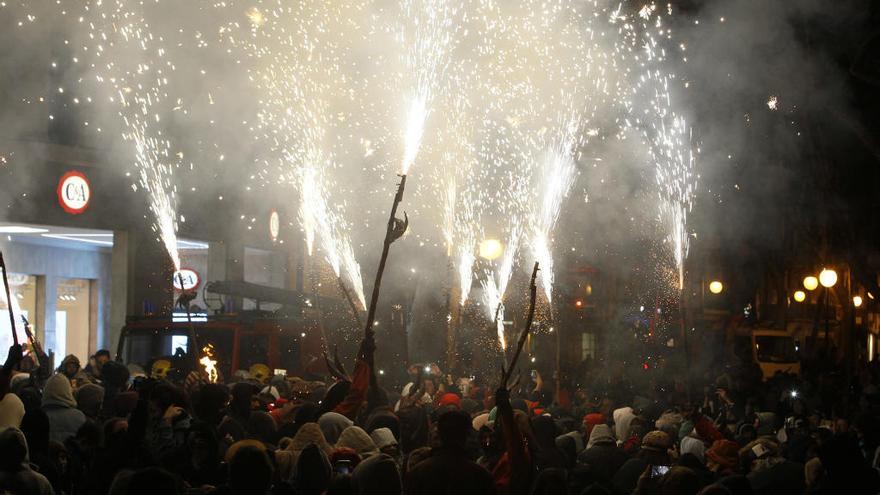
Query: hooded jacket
{"x": 377, "y": 475}
{"x": 332, "y": 424}
{"x": 357, "y": 439}
{"x": 11, "y": 411}
{"x": 602, "y": 458}
{"x": 309, "y": 434}
{"x": 16, "y": 475}
{"x": 60, "y": 407}
{"x": 81, "y": 377}
{"x": 622, "y": 419}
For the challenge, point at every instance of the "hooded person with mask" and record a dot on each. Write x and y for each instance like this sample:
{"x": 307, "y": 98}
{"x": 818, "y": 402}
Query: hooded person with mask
{"x": 313, "y": 471}
{"x": 355, "y": 438}
{"x": 60, "y": 406}
{"x": 71, "y": 368}
{"x": 16, "y": 475}
{"x": 602, "y": 458}
{"x": 332, "y": 425}
{"x": 377, "y": 475}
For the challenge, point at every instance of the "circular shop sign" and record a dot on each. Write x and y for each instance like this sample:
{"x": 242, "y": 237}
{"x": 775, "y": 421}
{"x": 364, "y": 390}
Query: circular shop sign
{"x": 74, "y": 192}
{"x": 190, "y": 277}
{"x": 274, "y": 225}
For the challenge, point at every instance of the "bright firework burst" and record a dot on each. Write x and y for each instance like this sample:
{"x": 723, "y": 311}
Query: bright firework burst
{"x": 117, "y": 30}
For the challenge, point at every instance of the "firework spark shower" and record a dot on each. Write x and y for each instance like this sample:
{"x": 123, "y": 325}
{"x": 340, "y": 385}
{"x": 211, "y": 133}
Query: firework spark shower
{"x": 505, "y": 106}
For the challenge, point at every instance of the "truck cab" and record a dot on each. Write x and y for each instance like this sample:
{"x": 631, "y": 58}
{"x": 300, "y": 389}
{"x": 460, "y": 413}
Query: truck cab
{"x": 774, "y": 351}
{"x": 237, "y": 341}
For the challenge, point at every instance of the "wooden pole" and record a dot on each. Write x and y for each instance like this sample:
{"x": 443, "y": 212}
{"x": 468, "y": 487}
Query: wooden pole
{"x": 8, "y": 300}
{"x": 533, "y": 292}
{"x": 351, "y": 304}
{"x": 192, "y": 328}
{"x": 392, "y": 233}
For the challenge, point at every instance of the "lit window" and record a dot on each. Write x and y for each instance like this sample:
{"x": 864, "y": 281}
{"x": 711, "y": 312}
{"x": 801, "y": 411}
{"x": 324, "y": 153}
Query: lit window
{"x": 588, "y": 345}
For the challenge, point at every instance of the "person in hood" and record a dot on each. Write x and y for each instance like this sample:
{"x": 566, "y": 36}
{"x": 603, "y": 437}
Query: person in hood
{"x": 332, "y": 425}
{"x": 602, "y": 458}
{"x": 89, "y": 399}
{"x": 313, "y": 472}
{"x": 448, "y": 470}
{"x": 16, "y": 475}
{"x": 250, "y": 470}
{"x": 355, "y": 438}
{"x": 71, "y": 368}
{"x": 654, "y": 452}
{"x": 377, "y": 475}
{"x": 11, "y": 411}
{"x": 287, "y": 458}
{"x": 60, "y": 406}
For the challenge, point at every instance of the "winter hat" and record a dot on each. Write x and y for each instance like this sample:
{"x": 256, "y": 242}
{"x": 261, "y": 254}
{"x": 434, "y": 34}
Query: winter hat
{"x": 493, "y": 413}
{"x": 724, "y": 453}
{"x": 481, "y": 421}
{"x": 89, "y": 398}
{"x": 308, "y": 434}
{"x": 271, "y": 390}
{"x": 622, "y": 419}
{"x": 686, "y": 428}
{"x": 600, "y": 435}
{"x": 332, "y": 425}
{"x": 576, "y": 438}
{"x": 591, "y": 420}
{"x": 379, "y": 474}
{"x": 450, "y": 399}
{"x": 313, "y": 471}
{"x": 669, "y": 419}
{"x": 58, "y": 392}
{"x": 695, "y": 446}
{"x": 383, "y": 437}
{"x": 18, "y": 380}
{"x": 354, "y": 437}
{"x": 11, "y": 411}
{"x": 657, "y": 441}
{"x": 234, "y": 448}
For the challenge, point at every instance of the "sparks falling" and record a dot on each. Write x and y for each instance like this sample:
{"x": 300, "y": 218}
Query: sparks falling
{"x": 139, "y": 88}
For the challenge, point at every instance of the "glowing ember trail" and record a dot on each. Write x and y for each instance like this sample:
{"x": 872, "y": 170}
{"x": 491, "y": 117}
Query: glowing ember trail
{"x": 140, "y": 90}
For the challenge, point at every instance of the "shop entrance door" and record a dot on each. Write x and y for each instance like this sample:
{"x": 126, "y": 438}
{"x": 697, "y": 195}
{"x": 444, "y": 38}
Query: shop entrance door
{"x": 74, "y": 321}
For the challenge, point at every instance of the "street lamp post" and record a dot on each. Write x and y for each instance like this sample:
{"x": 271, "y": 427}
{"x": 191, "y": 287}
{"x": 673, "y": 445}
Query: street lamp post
{"x": 828, "y": 279}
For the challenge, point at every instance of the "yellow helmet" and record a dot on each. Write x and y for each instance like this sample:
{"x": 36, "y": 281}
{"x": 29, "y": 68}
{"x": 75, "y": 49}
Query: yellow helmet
{"x": 260, "y": 372}
{"x": 160, "y": 369}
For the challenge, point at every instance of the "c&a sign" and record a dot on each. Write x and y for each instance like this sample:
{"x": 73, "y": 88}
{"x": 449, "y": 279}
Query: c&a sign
{"x": 74, "y": 192}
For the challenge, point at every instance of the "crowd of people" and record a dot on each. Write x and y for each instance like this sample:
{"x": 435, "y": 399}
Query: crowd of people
{"x": 103, "y": 429}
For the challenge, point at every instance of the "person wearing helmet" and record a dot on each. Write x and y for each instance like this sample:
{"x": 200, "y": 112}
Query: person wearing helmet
{"x": 260, "y": 372}
{"x": 160, "y": 369}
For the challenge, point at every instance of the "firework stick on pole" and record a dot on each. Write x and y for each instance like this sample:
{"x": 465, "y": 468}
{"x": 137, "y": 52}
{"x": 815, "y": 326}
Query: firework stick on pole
{"x": 8, "y": 300}
{"x": 533, "y": 292}
{"x": 192, "y": 328}
{"x": 351, "y": 304}
{"x": 395, "y": 229}
{"x": 684, "y": 340}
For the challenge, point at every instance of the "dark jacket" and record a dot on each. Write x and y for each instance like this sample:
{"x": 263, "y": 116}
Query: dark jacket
{"x": 16, "y": 475}
{"x": 448, "y": 471}
{"x": 60, "y": 407}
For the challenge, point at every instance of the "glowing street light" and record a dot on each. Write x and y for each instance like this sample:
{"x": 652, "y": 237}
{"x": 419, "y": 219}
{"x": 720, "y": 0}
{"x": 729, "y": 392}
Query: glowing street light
{"x": 811, "y": 282}
{"x": 828, "y": 278}
{"x": 715, "y": 287}
{"x": 799, "y": 296}
{"x": 857, "y": 301}
{"x": 491, "y": 249}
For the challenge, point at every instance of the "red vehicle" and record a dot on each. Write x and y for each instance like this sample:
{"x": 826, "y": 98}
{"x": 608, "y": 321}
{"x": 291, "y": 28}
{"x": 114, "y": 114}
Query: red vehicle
{"x": 284, "y": 345}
